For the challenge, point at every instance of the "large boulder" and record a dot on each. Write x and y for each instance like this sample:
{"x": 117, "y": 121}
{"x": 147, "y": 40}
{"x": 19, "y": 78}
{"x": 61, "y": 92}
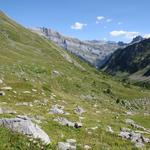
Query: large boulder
{"x": 24, "y": 125}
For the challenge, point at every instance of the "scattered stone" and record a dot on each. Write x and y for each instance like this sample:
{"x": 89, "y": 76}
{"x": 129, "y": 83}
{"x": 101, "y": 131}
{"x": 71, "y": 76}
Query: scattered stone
{"x": 87, "y": 147}
{"x": 4, "y": 103}
{"x": 65, "y": 122}
{"x": 109, "y": 129}
{"x": 27, "y": 92}
{"x": 55, "y": 73}
{"x": 134, "y": 125}
{"x": 70, "y": 144}
{"x": 81, "y": 118}
{"x": 23, "y": 125}
{"x": 130, "y": 113}
{"x": 7, "y": 88}
{"x": 57, "y": 109}
{"x": 94, "y": 128}
{"x": 1, "y": 81}
{"x": 24, "y": 104}
{"x": 78, "y": 125}
{"x": 129, "y": 121}
{"x": 87, "y": 97}
{"x": 135, "y": 138}
{"x": 2, "y": 93}
{"x": 6, "y": 111}
{"x": 34, "y": 90}
{"x": 79, "y": 110}
{"x": 14, "y": 92}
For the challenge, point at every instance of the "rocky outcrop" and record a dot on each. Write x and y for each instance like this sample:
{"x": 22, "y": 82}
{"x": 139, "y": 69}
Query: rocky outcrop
{"x": 24, "y": 125}
{"x": 95, "y": 52}
{"x": 136, "y": 138}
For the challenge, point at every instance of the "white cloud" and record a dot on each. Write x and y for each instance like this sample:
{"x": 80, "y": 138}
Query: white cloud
{"x": 147, "y": 36}
{"x": 125, "y": 34}
{"x": 78, "y": 26}
{"x": 99, "y": 19}
{"x": 109, "y": 20}
{"x": 119, "y": 23}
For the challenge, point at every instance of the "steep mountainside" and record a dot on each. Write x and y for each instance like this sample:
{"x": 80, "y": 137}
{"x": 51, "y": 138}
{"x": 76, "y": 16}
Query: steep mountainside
{"x": 49, "y": 95}
{"x": 133, "y": 60}
{"x": 94, "y": 52}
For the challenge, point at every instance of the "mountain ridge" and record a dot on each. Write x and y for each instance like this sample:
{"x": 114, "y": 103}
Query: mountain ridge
{"x": 94, "y": 52}
{"x": 133, "y": 60}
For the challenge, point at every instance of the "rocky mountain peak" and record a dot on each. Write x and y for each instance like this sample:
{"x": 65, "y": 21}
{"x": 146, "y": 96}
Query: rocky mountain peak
{"x": 137, "y": 39}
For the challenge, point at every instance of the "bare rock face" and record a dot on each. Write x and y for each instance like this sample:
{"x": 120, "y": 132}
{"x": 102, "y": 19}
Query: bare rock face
{"x": 95, "y": 52}
{"x": 24, "y": 125}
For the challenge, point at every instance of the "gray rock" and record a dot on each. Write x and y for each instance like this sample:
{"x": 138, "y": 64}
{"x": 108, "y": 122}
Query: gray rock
{"x": 26, "y": 92}
{"x": 135, "y": 138}
{"x": 24, "y": 104}
{"x": 70, "y": 144}
{"x": 79, "y": 110}
{"x": 87, "y": 147}
{"x": 7, "y": 88}
{"x": 24, "y": 125}
{"x": 109, "y": 129}
{"x": 129, "y": 121}
{"x": 55, "y": 73}
{"x": 56, "y": 109}
{"x": 65, "y": 122}
{"x": 1, "y": 81}
{"x": 2, "y": 93}
{"x": 6, "y": 111}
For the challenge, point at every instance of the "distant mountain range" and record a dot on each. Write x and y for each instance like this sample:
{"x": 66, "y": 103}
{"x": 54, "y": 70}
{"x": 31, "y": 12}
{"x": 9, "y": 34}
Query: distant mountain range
{"x": 94, "y": 52}
{"x": 129, "y": 59}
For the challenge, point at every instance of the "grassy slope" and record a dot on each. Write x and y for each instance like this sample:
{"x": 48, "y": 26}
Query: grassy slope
{"x": 26, "y": 63}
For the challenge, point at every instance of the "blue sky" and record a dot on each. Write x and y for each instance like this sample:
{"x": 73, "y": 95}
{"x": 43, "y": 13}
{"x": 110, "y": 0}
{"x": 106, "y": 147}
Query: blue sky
{"x": 115, "y": 20}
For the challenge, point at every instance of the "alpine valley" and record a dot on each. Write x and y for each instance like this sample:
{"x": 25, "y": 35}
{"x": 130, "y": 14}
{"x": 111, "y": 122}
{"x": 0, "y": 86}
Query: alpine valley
{"x": 52, "y": 99}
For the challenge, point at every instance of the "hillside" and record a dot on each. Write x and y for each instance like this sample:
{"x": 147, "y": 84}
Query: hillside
{"x": 64, "y": 97}
{"x": 133, "y": 61}
{"x": 94, "y": 52}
